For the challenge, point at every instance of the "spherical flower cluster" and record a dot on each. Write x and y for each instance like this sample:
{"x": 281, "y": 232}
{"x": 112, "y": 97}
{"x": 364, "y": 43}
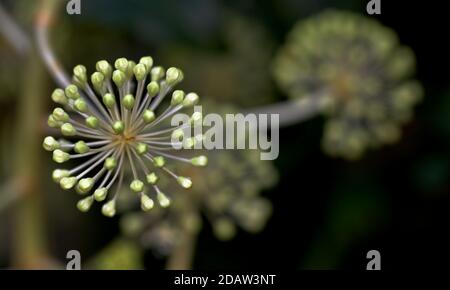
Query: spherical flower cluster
{"x": 357, "y": 66}
{"x": 113, "y": 122}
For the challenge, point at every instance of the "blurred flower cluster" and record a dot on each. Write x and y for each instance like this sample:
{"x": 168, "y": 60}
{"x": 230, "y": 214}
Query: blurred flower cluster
{"x": 226, "y": 193}
{"x": 358, "y": 66}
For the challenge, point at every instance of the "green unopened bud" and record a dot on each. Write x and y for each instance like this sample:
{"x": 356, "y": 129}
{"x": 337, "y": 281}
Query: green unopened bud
{"x": 146, "y": 203}
{"x": 100, "y": 194}
{"x": 185, "y": 182}
{"x": 67, "y": 129}
{"x": 121, "y": 64}
{"x": 109, "y": 208}
{"x": 92, "y": 122}
{"x": 177, "y": 97}
{"x": 147, "y": 61}
{"x": 119, "y": 78}
{"x": 141, "y": 148}
{"x": 190, "y": 100}
{"x": 199, "y": 161}
{"x": 152, "y": 178}
{"x": 81, "y": 147}
{"x": 59, "y": 97}
{"x": 196, "y": 118}
{"x": 189, "y": 143}
{"x": 157, "y": 73}
{"x": 130, "y": 69}
{"x": 58, "y": 174}
{"x": 60, "y": 115}
{"x": 104, "y": 67}
{"x": 79, "y": 73}
{"x": 51, "y": 122}
{"x": 152, "y": 89}
{"x": 149, "y": 116}
{"x": 85, "y": 185}
{"x": 140, "y": 71}
{"x": 81, "y": 105}
{"x": 174, "y": 76}
{"x": 159, "y": 161}
{"x": 85, "y": 204}
{"x": 60, "y": 156}
{"x": 109, "y": 100}
{"x": 137, "y": 185}
{"x": 128, "y": 101}
{"x": 163, "y": 200}
{"x": 97, "y": 80}
{"x": 178, "y": 134}
{"x": 118, "y": 127}
{"x": 67, "y": 183}
{"x": 72, "y": 92}
{"x": 50, "y": 143}
{"x": 110, "y": 163}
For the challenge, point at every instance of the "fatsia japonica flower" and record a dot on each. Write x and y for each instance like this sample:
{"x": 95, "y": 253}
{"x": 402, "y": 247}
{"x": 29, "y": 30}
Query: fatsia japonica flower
{"x": 112, "y": 123}
{"x": 360, "y": 72}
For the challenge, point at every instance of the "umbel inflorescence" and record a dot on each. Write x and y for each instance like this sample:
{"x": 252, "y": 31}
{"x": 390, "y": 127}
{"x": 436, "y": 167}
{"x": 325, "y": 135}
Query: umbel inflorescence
{"x": 113, "y": 123}
{"x": 360, "y": 71}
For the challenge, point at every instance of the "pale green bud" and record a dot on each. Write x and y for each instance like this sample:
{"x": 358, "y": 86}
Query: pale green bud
{"x": 190, "y": 100}
{"x": 163, "y": 200}
{"x": 157, "y": 73}
{"x": 85, "y": 185}
{"x": 60, "y": 156}
{"x": 121, "y": 64}
{"x": 118, "y": 127}
{"x": 67, "y": 129}
{"x": 128, "y": 101}
{"x": 149, "y": 116}
{"x": 159, "y": 161}
{"x": 60, "y": 115}
{"x": 147, "y": 61}
{"x": 97, "y": 80}
{"x": 51, "y": 122}
{"x": 153, "y": 89}
{"x": 79, "y": 73}
{"x": 185, "y": 182}
{"x": 146, "y": 203}
{"x": 110, "y": 163}
{"x": 109, "y": 208}
{"x": 119, "y": 78}
{"x": 141, "y": 148}
{"x": 152, "y": 178}
{"x": 137, "y": 185}
{"x": 140, "y": 71}
{"x": 59, "y": 97}
{"x": 85, "y": 204}
{"x": 104, "y": 67}
{"x": 81, "y": 105}
{"x": 92, "y": 122}
{"x": 50, "y": 143}
{"x": 100, "y": 193}
{"x": 177, "y": 134}
{"x": 67, "y": 183}
{"x": 81, "y": 147}
{"x": 72, "y": 92}
{"x": 109, "y": 100}
{"x": 177, "y": 97}
{"x": 58, "y": 174}
{"x": 199, "y": 161}
{"x": 173, "y": 76}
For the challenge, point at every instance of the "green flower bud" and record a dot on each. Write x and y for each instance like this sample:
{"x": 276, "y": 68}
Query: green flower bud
{"x": 185, "y": 182}
{"x": 109, "y": 208}
{"x": 50, "y": 143}
{"x": 128, "y": 101}
{"x": 81, "y": 105}
{"x": 85, "y": 204}
{"x": 152, "y": 89}
{"x": 51, "y": 122}
{"x": 146, "y": 203}
{"x": 60, "y": 156}
{"x": 141, "y": 148}
{"x": 121, "y": 64}
{"x": 59, "y": 97}
{"x": 60, "y": 115}
{"x": 157, "y": 73}
{"x": 196, "y": 118}
{"x": 81, "y": 147}
{"x": 97, "y": 80}
{"x": 173, "y": 76}
{"x": 109, "y": 100}
{"x": 152, "y": 178}
{"x": 119, "y": 78}
{"x": 92, "y": 122}
{"x": 163, "y": 200}
{"x": 189, "y": 143}
{"x": 190, "y": 100}
{"x": 72, "y": 92}
{"x": 177, "y": 97}
{"x": 79, "y": 73}
{"x": 130, "y": 69}
{"x": 118, "y": 127}
{"x": 58, "y": 174}
{"x": 147, "y": 61}
{"x": 100, "y": 194}
{"x": 140, "y": 71}
{"x": 199, "y": 161}
{"x": 137, "y": 185}
{"x": 159, "y": 161}
{"x": 178, "y": 134}
{"x": 104, "y": 67}
{"x": 85, "y": 185}
{"x": 67, "y": 183}
{"x": 149, "y": 116}
{"x": 68, "y": 130}
{"x": 110, "y": 163}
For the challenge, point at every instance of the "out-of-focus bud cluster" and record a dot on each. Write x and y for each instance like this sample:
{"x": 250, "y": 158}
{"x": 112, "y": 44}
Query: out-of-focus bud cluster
{"x": 226, "y": 194}
{"x": 120, "y": 254}
{"x": 363, "y": 72}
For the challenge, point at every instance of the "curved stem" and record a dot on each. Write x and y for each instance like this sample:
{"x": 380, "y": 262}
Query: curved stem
{"x": 45, "y": 17}
{"x": 294, "y": 111}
